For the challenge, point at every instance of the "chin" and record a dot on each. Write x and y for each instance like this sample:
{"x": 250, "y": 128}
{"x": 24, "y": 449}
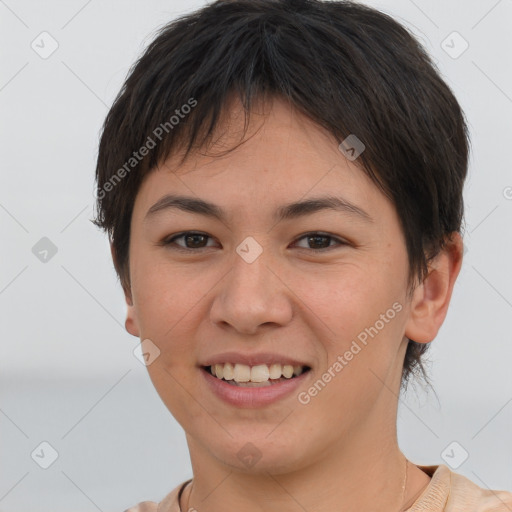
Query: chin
{"x": 258, "y": 455}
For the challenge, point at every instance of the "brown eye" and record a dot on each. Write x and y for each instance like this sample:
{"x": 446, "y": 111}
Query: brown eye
{"x": 194, "y": 241}
{"x": 191, "y": 240}
{"x": 320, "y": 241}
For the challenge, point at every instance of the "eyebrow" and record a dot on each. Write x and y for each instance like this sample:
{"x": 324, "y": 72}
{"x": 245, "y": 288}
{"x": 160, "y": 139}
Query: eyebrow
{"x": 289, "y": 211}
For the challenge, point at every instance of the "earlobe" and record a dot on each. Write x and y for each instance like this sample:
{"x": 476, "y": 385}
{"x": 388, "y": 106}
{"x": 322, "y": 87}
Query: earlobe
{"x": 431, "y": 298}
{"x": 130, "y": 323}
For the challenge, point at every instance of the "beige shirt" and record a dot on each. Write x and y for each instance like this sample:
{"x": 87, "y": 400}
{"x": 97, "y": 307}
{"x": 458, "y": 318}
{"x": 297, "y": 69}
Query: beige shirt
{"x": 446, "y": 492}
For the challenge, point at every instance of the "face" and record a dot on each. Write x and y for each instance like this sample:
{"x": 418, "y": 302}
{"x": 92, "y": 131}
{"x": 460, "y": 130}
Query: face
{"x": 323, "y": 289}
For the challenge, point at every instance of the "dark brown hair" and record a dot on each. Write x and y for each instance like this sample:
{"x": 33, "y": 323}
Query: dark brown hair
{"x": 348, "y": 67}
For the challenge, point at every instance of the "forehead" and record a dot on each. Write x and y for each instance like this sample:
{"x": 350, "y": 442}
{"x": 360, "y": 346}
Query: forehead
{"x": 284, "y": 157}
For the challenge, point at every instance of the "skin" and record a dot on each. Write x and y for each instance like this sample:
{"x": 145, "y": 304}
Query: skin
{"x": 340, "y": 451}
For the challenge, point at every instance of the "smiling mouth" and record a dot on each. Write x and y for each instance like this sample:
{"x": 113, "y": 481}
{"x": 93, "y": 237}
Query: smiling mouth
{"x": 255, "y": 376}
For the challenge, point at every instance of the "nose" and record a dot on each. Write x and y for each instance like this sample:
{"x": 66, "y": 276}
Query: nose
{"x": 250, "y": 296}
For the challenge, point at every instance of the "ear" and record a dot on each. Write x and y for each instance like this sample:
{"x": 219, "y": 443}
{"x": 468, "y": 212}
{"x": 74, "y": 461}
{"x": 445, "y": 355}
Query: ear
{"x": 130, "y": 323}
{"x": 431, "y": 298}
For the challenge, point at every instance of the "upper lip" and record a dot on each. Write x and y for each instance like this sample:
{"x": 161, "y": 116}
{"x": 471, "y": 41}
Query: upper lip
{"x": 252, "y": 359}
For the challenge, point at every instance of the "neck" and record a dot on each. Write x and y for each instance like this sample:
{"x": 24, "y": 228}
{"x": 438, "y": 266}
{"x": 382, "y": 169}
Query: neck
{"x": 351, "y": 477}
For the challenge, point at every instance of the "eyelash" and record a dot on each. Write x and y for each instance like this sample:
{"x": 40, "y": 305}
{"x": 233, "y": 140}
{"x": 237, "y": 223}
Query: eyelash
{"x": 170, "y": 241}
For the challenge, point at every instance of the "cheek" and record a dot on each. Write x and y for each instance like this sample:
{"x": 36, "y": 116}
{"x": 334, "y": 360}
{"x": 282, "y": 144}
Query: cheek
{"x": 165, "y": 300}
{"x": 348, "y": 298}
{"x": 350, "y": 303}
{"x": 361, "y": 345}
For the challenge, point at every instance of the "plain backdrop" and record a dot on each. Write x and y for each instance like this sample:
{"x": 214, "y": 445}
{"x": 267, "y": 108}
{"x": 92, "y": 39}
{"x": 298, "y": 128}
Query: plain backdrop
{"x": 68, "y": 374}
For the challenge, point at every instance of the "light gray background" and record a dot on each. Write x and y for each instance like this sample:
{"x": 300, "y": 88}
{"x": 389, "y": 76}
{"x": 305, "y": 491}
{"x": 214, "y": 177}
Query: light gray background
{"x": 68, "y": 375}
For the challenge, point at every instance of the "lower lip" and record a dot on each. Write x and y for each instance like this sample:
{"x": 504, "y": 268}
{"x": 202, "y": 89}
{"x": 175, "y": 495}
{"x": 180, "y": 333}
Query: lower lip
{"x": 254, "y": 396}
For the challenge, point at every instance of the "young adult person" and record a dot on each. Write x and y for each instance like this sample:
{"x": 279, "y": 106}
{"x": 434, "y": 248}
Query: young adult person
{"x": 282, "y": 184}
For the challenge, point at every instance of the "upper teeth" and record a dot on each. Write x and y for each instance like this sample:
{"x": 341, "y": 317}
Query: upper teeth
{"x": 260, "y": 373}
